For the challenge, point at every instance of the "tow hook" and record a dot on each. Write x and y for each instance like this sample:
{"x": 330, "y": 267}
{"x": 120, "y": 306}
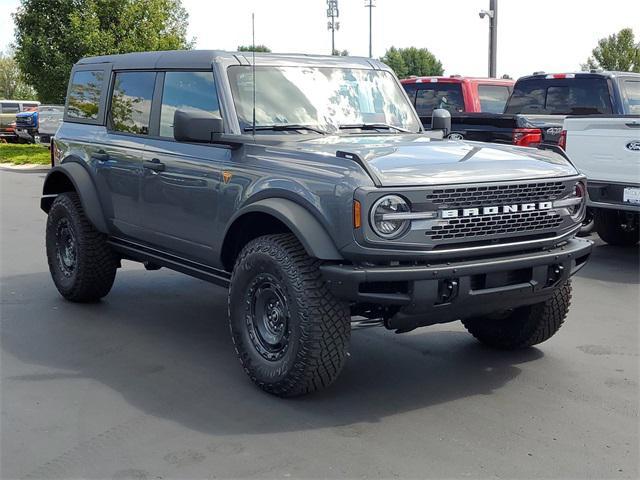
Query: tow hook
{"x": 448, "y": 290}
{"x": 555, "y": 274}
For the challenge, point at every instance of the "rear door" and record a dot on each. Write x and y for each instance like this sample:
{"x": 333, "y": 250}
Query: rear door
{"x": 118, "y": 151}
{"x": 182, "y": 182}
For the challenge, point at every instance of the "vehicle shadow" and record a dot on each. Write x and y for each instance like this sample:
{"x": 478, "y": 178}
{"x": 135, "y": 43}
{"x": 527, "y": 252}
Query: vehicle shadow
{"x": 609, "y": 263}
{"x": 161, "y": 340}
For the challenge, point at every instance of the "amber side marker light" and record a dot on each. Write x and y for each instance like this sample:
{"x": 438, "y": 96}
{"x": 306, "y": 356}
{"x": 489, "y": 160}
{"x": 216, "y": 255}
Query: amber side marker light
{"x": 357, "y": 214}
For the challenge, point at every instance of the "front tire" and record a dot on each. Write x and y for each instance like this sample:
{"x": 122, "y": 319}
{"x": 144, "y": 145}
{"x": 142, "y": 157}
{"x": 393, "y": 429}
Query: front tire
{"x": 617, "y": 227}
{"x": 82, "y": 264}
{"x": 525, "y": 326}
{"x": 291, "y": 335}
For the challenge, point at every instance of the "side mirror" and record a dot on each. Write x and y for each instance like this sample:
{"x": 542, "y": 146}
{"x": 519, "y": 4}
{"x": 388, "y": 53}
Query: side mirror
{"x": 195, "y": 126}
{"x": 441, "y": 120}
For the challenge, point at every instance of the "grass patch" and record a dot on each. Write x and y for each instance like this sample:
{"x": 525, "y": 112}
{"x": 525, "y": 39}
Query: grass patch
{"x": 22, "y": 154}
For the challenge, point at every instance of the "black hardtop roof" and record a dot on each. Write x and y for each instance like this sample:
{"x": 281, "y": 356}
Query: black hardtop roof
{"x": 600, "y": 73}
{"x": 200, "y": 59}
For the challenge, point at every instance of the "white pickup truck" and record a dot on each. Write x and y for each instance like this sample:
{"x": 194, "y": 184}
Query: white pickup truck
{"x": 607, "y": 150}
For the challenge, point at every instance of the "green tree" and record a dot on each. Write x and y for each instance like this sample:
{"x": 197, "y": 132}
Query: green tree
{"x": 250, "y": 48}
{"x": 412, "y": 61}
{"x": 51, "y": 35}
{"x": 617, "y": 52}
{"x": 12, "y": 84}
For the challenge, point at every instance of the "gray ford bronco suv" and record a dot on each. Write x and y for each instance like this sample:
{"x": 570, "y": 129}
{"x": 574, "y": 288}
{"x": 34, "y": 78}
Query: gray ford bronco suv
{"x": 307, "y": 187}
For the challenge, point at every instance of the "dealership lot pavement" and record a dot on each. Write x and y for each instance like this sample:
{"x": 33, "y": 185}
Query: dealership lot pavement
{"x": 145, "y": 384}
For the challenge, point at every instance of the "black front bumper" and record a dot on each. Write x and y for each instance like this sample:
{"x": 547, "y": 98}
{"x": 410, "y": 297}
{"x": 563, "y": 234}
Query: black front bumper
{"x": 437, "y": 293}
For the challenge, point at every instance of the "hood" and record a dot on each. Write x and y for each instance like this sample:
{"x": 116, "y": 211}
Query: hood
{"x": 411, "y": 160}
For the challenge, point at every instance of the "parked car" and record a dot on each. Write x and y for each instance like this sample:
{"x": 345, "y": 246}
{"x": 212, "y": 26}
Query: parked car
{"x": 457, "y": 94}
{"x": 49, "y": 120}
{"x": 539, "y": 103}
{"x": 27, "y": 124}
{"x": 8, "y": 111}
{"x": 306, "y": 186}
{"x": 607, "y": 150}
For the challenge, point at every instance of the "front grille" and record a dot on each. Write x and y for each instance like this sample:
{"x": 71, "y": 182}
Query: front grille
{"x": 496, "y": 194}
{"x": 503, "y": 224}
{"x": 23, "y": 122}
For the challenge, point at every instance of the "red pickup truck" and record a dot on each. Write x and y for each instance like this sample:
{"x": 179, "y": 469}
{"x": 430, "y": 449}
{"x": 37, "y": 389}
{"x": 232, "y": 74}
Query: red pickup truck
{"x": 458, "y": 94}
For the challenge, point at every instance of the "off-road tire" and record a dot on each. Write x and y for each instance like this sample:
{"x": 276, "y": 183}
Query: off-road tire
{"x": 525, "y": 326}
{"x": 315, "y": 340}
{"x": 94, "y": 262}
{"x": 615, "y": 229}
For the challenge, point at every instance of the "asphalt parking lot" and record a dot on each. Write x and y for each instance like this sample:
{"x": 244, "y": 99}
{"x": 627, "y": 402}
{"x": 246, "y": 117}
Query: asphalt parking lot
{"x": 146, "y": 384}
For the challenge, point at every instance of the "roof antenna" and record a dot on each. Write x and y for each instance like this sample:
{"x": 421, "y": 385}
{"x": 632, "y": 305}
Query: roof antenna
{"x": 253, "y": 48}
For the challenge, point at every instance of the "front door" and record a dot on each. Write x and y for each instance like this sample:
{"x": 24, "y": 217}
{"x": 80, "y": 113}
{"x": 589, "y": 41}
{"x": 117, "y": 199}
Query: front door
{"x": 181, "y": 182}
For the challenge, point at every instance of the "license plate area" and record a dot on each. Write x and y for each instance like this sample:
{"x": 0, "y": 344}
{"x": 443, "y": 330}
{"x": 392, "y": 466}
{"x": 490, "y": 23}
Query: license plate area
{"x": 631, "y": 195}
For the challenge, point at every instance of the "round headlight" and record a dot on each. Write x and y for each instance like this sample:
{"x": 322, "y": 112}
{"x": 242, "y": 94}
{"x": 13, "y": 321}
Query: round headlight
{"x": 384, "y": 219}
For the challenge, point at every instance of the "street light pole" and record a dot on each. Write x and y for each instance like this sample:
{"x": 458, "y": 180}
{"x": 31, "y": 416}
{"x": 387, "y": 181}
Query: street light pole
{"x": 332, "y": 14}
{"x": 370, "y": 5}
{"x": 492, "y": 13}
{"x": 493, "y": 38}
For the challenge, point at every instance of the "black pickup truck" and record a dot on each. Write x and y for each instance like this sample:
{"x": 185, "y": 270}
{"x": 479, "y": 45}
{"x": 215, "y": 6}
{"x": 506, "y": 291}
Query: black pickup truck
{"x": 538, "y": 105}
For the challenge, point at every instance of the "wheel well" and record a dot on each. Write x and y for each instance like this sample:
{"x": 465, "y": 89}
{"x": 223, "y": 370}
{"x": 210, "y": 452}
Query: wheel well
{"x": 246, "y": 228}
{"x": 56, "y": 183}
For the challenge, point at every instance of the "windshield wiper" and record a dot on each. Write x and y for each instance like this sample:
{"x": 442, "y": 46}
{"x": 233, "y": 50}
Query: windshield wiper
{"x": 285, "y": 127}
{"x": 373, "y": 126}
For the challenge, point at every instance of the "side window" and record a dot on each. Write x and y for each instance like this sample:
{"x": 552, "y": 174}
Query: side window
{"x": 131, "y": 102}
{"x": 10, "y": 108}
{"x": 84, "y": 94}
{"x": 493, "y": 98}
{"x": 194, "y": 91}
{"x": 631, "y": 97}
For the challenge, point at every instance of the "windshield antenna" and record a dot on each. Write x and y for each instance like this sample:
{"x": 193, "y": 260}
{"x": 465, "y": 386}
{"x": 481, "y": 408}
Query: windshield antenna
{"x": 253, "y": 48}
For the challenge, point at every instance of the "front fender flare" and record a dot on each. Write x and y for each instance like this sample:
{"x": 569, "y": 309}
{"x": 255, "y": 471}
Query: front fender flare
{"x": 82, "y": 183}
{"x": 300, "y": 221}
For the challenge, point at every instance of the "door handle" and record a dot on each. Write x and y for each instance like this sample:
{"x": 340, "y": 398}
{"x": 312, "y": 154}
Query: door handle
{"x": 100, "y": 155}
{"x": 154, "y": 164}
{"x": 633, "y": 124}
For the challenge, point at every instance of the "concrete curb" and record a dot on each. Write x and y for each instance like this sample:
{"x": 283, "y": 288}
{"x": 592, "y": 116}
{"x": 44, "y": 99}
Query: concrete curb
{"x": 9, "y": 167}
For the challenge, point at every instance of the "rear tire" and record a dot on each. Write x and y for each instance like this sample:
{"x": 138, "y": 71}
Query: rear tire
{"x": 617, "y": 227}
{"x": 525, "y": 326}
{"x": 82, "y": 264}
{"x": 291, "y": 335}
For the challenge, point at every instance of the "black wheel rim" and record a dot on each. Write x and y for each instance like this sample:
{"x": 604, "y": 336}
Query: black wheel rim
{"x": 66, "y": 247}
{"x": 268, "y": 319}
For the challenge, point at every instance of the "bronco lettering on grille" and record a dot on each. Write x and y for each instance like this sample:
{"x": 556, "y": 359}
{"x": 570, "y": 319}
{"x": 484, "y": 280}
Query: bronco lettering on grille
{"x": 494, "y": 210}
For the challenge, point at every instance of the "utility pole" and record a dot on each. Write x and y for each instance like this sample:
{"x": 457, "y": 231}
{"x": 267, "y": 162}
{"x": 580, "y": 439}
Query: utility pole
{"x": 332, "y": 24}
{"x": 370, "y": 5}
{"x": 492, "y": 13}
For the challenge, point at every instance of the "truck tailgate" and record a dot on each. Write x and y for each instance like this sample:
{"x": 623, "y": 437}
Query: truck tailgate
{"x": 605, "y": 148}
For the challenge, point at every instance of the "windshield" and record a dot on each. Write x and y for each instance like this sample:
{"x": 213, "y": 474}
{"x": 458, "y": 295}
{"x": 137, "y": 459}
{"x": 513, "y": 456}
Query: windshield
{"x": 570, "y": 96}
{"x": 320, "y": 97}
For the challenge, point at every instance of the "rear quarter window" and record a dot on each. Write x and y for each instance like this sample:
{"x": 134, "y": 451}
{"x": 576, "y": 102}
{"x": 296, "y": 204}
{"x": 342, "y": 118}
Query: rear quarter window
{"x": 10, "y": 107}
{"x": 567, "y": 96}
{"x": 84, "y": 94}
{"x": 631, "y": 96}
{"x": 493, "y": 98}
